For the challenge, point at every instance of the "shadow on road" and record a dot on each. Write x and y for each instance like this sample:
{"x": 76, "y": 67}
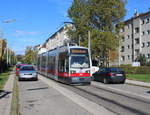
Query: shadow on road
{"x": 37, "y": 88}
{"x": 4, "y": 93}
{"x": 148, "y": 91}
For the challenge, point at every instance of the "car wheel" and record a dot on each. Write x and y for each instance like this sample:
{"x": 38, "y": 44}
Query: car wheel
{"x": 36, "y": 79}
{"x": 105, "y": 81}
{"x": 122, "y": 82}
{"x": 19, "y": 79}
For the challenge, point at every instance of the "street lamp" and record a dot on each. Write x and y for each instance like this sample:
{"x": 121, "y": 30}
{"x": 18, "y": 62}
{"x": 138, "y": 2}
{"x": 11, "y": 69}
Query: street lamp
{"x": 8, "y": 58}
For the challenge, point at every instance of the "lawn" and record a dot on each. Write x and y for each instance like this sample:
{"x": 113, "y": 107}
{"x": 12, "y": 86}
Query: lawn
{"x": 139, "y": 77}
{"x": 3, "y": 79}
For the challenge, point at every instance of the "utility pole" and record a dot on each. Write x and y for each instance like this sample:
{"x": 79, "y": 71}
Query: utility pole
{"x": 89, "y": 41}
{"x": 7, "y": 52}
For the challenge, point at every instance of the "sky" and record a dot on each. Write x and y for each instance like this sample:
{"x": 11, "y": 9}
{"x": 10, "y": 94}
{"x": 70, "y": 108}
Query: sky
{"x": 31, "y": 22}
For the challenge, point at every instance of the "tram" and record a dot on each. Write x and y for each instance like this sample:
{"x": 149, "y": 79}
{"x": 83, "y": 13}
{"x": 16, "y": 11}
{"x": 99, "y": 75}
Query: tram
{"x": 70, "y": 64}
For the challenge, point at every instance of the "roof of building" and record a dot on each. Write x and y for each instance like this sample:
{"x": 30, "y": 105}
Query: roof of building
{"x": 136, "y": 15}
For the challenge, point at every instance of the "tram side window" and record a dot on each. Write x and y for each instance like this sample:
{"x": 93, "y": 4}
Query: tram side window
{"x": 61, "y": 64}
{"x": 67, "y": 64}
{"x": 44, "y": 62}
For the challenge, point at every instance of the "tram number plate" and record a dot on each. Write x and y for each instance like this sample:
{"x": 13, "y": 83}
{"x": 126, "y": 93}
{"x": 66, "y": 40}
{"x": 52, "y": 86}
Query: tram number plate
{"x": 81, "y": 79}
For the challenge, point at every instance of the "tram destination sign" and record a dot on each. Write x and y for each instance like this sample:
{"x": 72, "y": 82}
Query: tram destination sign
{"x": 79, "y": 51}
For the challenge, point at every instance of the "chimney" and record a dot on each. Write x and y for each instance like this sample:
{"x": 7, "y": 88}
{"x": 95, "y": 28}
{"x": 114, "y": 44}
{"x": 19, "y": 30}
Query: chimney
{"x": 135, "y": 13}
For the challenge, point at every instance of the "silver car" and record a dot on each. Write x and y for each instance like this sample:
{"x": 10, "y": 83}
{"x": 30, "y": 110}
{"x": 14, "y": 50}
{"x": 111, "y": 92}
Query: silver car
{"x": 27, "y": 72}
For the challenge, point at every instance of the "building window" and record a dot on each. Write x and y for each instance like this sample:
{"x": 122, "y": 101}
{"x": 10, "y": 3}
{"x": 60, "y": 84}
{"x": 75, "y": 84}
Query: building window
{"x": 128, "y": 36}
{"x": 128, "y": 46}
{"x": 148, "y": 56}
{"x": 123, "y": 39}
{"x": 122, "y": 58}
{"x": 137, "y": 52}
{"x": 147, "y": 21}
{"x": 142, "y": 22}
{"x": 137, "y": 30}
{"x": 148, "y": 31}
{"x": 143, "y": 33}
{"x": 148, "y": 44}
{"x": 137, "y": 41}
{"x": 143, "y": 45}
{"x": 128, "y": 57}
{"x": 122, "y": 48}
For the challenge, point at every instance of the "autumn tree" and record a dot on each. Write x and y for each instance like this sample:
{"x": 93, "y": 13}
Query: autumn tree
{"x": 29, "y": 56}
{"x": 99, "y": 17}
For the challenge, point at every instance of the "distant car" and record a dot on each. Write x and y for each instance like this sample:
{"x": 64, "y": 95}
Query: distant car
{"x": 18, "y": 68}
{"x": 110, "y": 75}
{"x": 27, "y": 72}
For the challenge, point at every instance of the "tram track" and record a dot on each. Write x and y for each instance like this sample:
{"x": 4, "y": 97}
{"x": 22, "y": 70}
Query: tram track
{"x": 116, "y": 102}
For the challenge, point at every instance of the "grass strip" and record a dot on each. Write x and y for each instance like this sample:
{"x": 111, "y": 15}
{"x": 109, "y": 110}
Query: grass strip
{"x": 4, "y": 77}
{"x": 139, "y": 77}
{"x": 15, "y": 107}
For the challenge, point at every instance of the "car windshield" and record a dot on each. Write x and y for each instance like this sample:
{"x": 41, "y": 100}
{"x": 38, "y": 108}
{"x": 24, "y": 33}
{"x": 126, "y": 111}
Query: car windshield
{"x": 27, "y": 68}
{"x": 80, "y": 61}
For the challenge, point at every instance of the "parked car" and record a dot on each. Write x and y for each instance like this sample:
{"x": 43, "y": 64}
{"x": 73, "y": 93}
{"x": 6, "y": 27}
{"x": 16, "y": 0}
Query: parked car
{"x": 110, "y": 75}
{"x": 27, "y": 72}
{"x": 18, "y": 68}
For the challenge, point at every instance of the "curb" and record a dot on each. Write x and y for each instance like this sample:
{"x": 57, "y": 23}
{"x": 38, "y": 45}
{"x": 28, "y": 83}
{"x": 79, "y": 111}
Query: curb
{"x": 6, "y": 99}
{"x": 138, "y": 83}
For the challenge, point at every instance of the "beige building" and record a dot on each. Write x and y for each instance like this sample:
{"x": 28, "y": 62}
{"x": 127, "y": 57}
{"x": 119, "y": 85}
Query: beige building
{"x": 135, "y": 39}
{"x": 59, "y": 38}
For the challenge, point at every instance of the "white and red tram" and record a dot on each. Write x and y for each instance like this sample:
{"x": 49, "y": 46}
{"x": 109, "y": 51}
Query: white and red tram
{"x": 67, "y": 64}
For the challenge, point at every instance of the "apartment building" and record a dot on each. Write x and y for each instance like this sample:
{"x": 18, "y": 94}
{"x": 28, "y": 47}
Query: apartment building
{"x": 135, "y": 38}
{"x": 59, "y": 38}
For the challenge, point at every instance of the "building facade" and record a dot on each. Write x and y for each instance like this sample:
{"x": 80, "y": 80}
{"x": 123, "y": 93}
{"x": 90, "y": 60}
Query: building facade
{"x": 59, "y": 38}
{"x": 135, "y": 38}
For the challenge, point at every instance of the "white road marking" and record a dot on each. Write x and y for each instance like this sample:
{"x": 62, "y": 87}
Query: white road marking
{"x": 88, "y": 105}
{"x": 122, "y": 91}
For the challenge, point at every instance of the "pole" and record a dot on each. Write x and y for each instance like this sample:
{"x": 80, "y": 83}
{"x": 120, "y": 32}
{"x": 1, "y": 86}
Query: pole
{"x": 89, "y": 42}
{"x": 79, "y": 40}
{"x": 7, "y": 54}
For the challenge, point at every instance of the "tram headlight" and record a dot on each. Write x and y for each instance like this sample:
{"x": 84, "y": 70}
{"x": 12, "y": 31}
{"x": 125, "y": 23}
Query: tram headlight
{"x": 88, "y": 71}
{"x": 72, "y": 71}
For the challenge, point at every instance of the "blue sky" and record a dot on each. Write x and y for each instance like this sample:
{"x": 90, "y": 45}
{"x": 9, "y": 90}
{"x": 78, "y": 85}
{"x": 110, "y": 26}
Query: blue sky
{"x": 36, "y": 20}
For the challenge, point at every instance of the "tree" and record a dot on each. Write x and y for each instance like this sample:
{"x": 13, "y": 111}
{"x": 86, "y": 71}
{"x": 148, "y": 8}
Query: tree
{"x": 99, "y": 17}
{"x": 142, "y": 59}
{"x": 29, "y": 55}
{"x": 20, "y": 58}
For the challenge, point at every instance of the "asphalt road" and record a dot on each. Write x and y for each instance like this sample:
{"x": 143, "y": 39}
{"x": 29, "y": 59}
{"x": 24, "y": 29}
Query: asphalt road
{"x": 52, "y": 98}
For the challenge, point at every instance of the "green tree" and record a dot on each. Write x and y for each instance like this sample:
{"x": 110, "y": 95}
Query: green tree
{"x": 99, "y": 17}
{"x": 29, "y": 55}
{"x": 142, "y": 59}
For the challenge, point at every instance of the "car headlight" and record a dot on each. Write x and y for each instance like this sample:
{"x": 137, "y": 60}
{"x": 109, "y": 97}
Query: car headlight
{"x": 34, "y": 74}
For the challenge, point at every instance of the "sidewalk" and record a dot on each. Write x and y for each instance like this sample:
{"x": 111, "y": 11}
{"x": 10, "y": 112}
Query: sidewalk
{"x": 6, "y": 97}
{"x": 139, "y": 83}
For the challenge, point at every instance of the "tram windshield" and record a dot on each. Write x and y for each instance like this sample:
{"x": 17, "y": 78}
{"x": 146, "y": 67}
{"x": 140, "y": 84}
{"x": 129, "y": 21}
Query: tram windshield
{"x": 80, "y": 61}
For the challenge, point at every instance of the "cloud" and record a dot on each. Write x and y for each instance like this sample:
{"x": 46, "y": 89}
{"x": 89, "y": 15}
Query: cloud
{"x": 24, "y": 33}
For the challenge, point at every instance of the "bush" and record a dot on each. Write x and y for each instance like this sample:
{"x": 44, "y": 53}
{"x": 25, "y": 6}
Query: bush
{"x": 137, "y": 70}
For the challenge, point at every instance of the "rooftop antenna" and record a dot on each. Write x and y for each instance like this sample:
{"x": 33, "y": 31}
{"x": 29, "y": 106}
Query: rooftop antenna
{"x": 135, "y": 12}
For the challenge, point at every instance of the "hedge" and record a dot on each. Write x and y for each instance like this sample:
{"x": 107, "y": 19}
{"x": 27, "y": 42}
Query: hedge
{"x": 137, "y": 70}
